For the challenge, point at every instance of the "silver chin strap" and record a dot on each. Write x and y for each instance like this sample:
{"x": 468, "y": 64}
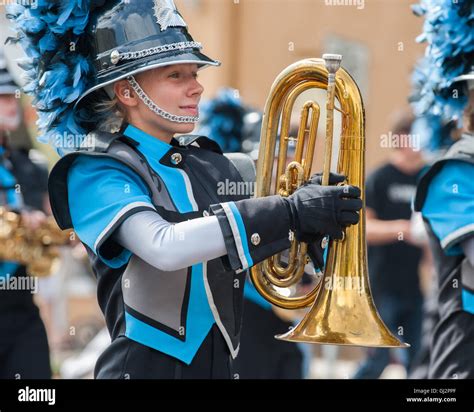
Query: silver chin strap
{"x": 155, "y": 109}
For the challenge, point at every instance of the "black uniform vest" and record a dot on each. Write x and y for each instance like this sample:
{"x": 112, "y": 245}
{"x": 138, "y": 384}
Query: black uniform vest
{"x": 206, "y": 167}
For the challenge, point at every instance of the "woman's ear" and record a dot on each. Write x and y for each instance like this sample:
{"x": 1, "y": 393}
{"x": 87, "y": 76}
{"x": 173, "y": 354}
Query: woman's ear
{"x": 125, "y": 94}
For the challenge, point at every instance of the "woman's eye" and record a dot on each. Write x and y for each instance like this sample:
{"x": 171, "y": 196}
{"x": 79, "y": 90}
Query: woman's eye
{"x": 177, "y": 75}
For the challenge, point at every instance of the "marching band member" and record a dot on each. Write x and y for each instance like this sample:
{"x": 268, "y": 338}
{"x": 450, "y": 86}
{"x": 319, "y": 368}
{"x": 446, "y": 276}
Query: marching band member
{"x": 169, "y": 251}
{"x": 445, "y": 194}
{"x": 24, "y": 351}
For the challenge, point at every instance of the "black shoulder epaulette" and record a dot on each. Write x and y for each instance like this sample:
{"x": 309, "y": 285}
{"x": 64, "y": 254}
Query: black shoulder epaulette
{"x": 202, "y": 141}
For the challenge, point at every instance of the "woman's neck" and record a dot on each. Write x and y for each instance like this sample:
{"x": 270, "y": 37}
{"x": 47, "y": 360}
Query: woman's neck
{"x": 154, "y": 131}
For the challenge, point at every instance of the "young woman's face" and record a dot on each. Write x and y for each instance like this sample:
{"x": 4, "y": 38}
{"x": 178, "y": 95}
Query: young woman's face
{"x": 174, "y": 89}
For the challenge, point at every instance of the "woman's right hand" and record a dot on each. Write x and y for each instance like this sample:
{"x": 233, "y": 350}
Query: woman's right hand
{"x": 323, "y": 210}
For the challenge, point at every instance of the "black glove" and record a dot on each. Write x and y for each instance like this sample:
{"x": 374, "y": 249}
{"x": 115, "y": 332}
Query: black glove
{"x": 315, "y": 250}
{"x": 314, "y": 243}
{"x": 317, "y": 178}
{"x": 323, "y": 210}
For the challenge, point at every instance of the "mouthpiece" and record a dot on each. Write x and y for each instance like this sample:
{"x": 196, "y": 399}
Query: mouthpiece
{"x": 333, "y": 62}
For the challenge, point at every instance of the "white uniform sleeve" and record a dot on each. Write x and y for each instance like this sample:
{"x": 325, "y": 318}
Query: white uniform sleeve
{"x": 171, "y": 246}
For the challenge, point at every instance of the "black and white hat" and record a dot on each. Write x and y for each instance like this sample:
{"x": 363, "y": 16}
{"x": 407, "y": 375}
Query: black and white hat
{"x": 76, "y": 48}
{"x": 129, "y": 37}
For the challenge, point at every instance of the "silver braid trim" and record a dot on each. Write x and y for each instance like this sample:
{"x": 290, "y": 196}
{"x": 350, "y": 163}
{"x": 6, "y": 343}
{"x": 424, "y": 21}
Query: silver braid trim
{"x": 116, "y": 56}
{"x": 155, "y": 109}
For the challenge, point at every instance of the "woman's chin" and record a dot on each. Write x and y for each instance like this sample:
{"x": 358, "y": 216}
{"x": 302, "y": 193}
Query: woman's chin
{"x": 185, "y": 127}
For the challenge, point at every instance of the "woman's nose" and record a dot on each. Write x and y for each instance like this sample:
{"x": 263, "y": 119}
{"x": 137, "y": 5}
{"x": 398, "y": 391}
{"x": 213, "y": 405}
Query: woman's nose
{"x": 196, "y": 88}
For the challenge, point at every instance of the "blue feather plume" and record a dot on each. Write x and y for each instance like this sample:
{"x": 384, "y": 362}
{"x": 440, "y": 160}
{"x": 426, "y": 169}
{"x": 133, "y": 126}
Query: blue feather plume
{"x": 56, "y": 74}
{"x": 448, "y": 31}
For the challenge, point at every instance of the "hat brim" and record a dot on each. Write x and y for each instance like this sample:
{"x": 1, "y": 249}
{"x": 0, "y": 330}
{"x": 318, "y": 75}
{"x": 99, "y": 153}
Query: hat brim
{"x": 133, "y": 68}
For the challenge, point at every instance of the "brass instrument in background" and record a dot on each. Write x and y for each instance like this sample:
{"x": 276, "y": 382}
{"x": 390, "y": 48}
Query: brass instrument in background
{"x": 342, "y": 309}
{"x": 37, "y": 249}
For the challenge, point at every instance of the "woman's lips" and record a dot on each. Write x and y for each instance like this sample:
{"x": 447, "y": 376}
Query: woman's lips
{"x": 191, "y": 109}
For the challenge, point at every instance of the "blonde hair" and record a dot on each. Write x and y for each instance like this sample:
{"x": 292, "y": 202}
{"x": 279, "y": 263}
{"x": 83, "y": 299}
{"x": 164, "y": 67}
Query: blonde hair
{"x": 110, "y": 112}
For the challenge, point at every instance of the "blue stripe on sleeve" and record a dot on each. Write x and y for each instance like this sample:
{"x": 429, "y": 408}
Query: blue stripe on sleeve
{"x": 242, "y": 232}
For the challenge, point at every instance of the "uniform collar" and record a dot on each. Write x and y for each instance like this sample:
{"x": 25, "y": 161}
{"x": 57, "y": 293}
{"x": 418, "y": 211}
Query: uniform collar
{"x": 147, "y": 143}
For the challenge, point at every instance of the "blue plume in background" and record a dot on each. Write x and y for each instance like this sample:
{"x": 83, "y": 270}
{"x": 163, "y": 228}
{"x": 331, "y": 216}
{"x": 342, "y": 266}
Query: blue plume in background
{"x": 448, "y": 31}
{"x": 222, "y": 119}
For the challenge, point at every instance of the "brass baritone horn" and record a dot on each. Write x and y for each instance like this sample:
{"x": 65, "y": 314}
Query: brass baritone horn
{"x": 342, "y": 309}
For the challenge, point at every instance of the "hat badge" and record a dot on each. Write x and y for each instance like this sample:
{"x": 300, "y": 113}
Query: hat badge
{"x": 167, "y": 15}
